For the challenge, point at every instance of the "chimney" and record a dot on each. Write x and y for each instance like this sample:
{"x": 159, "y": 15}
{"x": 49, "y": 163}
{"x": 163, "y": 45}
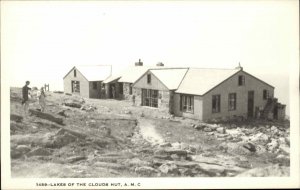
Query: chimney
{"x": 239, "y": 67}
{"x": 139, "y": 63}
{"x": 159, "y": 64}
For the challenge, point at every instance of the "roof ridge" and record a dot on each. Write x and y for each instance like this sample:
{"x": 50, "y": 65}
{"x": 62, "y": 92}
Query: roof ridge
{"x": 213, "y": 68}
{"x": 90, "y": 65}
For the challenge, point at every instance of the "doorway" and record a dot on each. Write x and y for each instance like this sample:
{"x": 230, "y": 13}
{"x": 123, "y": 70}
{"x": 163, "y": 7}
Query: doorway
{"x": 250, "y": 103}
{"x": 112, "y": 91}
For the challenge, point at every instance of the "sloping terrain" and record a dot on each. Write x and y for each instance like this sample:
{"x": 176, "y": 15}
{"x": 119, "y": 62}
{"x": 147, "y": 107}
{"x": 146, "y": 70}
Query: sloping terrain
{"x": 90, "y": 138}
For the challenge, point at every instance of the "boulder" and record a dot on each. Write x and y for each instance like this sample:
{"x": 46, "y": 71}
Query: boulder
{"x": 178, "y": 152}
{"x": 175, "y": 157}
{"x": 281, "y": 140}
{"x": 250, "y": 147}
{"x": 146, "y": 171}
{"x": 207, "y": 129}
{"x": 283, "y": 158}
{"x": 287, "y": 140}
{"x": 168, "y": 168}
{"x": 221, "y": 135}
{"x": 285, "y": 149}
{"x": 193, "y": 149}
{"x": 273, "y": 145}
{"x": 274, "y": 130}
{"x": 236, "y": 132}
{"x": 46, "y": 116}
{"x": 185, "y": 164}
{"x": 260, "y": 149}
{"x": 62, "y": 113}
{"x": 111, "y": 159}
{"x": 163, "y": 157}
{"x": 14, "y": 153}
{"x": 39, "y": 152}
{"x": 176, "y": 145}
{"x": 75, "y": 159}
{"x": 270, "y": 171}
{"x": 260, "y": 138}
{"x": 88, "y": 108}
{"x": 101, "y": 142}
{"x": 214, "y": 126}
{"x": 199, "y": 127}
{"x": 23, "y": 148}
{"x": 167, "y": 144}
{"x": 237, "y": 148}
{"x": 73, "y": 104}
{"x": 16, "y": 118}
{"x": 62, "y": 140}
{"x": 212, "y": 169}
{"x": 221, "y": 130}
{"x": 109, "y": 165}
{"x": 136, "y": 162}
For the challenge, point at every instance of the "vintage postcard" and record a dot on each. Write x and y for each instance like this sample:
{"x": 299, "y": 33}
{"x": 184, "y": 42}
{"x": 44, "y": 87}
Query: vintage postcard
{"x": 141, "y": 94}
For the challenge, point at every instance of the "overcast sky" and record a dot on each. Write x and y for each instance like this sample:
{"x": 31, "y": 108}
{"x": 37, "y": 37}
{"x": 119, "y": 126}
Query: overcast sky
{"x": 42, "y": 41}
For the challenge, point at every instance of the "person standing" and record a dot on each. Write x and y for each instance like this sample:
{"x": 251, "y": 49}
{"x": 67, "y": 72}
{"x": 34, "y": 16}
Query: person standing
{"x": 25, "y": 94}
{"x": 41, "y": 97}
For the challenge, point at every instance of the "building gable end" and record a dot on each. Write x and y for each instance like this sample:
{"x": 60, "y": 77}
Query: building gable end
{"x": 77, "y": 71}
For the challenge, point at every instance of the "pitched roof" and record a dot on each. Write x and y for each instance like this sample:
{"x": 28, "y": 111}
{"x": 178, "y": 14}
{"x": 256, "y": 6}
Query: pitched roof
{"x": 170, "y": 77}
{"x": 133, "y": 73}
{"x": 199, "y": 81}
{"x": 95, "y": 72}
{"x": 112, "y": 78}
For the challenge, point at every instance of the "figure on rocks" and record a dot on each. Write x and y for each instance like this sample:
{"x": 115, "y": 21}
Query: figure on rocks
{"x": 25, "y": 95}
{"x": 41, "y": 98}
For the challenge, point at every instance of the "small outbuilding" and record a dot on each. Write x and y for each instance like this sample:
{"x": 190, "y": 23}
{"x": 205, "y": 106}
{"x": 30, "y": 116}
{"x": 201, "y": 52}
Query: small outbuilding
{"x": 87, "y": 81}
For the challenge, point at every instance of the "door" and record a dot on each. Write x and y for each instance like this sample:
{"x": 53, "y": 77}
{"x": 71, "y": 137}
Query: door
{"x": 250, "y": 103}
{"x": 112, "y": 91}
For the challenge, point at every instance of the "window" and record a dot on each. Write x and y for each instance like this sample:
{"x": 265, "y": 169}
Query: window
{"x": 148, "y": 78}
{"x": 216, "y": 100}
{"x": 150, "y": 98}
{"x": 241, "y": 80}
{"x": 187, "y": 103}
{"x": 75, "y": 73}
{"x": 94, "y": 85}
{"x": 121, "y": 88}
{"x": 265, "y": 94}
{"x": 75, "y": 86}
{"x": 130, "y": 89}
{"x": 232, "y": 101}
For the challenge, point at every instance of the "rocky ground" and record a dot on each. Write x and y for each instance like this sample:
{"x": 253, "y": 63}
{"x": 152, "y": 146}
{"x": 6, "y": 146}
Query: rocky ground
{"x": 89, "y": 138}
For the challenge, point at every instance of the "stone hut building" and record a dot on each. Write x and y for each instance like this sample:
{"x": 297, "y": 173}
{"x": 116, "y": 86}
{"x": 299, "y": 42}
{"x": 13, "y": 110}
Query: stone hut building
{"x": 86, "y": 81}
{"x": 197, "y": 93}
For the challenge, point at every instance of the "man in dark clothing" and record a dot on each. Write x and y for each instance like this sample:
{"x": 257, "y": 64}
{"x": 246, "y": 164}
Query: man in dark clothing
{"x": 25, "y": 90}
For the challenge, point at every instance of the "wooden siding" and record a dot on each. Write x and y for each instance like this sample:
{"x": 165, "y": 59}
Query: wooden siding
{"x": 231, "y": 86}
{"x": 155, "y": 84}
{"x": 198, "y": 108}
{"x": 84, "y": 84}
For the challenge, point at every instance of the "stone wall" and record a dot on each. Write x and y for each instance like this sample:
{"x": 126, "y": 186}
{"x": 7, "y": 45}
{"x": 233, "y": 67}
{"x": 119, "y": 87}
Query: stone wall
{"x": 164, "y": 101}
{"x": 126, "y": 90}
{"x": 137, "y": 92}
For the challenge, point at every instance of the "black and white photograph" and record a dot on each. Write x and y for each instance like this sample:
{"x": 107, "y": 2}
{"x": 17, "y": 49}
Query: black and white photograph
{"x": 142, "y": 94}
